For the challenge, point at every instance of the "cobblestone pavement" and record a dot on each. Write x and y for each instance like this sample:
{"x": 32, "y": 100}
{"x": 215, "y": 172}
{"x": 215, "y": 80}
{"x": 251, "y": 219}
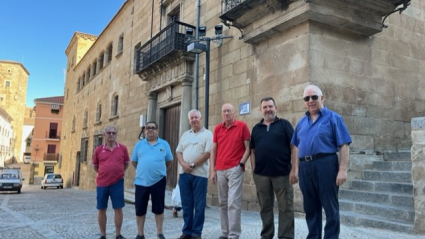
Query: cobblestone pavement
{"x": 71, "y": 213}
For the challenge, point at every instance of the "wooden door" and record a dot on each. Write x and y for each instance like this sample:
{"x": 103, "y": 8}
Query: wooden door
{"x": 170, "y": 132}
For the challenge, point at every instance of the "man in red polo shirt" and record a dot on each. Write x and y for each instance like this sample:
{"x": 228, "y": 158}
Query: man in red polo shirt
{"x": 110, "y": 160}
{"x": 229, "y": 153}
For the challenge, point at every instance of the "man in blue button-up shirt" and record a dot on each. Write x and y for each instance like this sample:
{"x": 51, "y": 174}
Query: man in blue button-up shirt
{"x": 319, "y": 135}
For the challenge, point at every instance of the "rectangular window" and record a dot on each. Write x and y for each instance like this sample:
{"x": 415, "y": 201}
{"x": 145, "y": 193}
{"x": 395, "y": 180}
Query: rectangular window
{"x": 7, "y": 83}
{"x": 121, "y": 43}
{"x": 53, "y": 131}
{"x": 110, "y": 48}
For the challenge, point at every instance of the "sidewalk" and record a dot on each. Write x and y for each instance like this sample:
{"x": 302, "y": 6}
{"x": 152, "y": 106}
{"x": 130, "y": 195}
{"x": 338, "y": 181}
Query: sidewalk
{"x": 251, "y": 226}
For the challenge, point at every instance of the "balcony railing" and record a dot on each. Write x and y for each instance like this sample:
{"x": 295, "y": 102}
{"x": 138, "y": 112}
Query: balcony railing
{"x": 170, "y": 39}
{"x": 227, "y": 5}
{"x": 52, "y": 135}
{"x": 50, "y": 157}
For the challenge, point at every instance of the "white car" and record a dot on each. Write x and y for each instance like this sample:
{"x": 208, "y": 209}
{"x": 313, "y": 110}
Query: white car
{"x": 11, "y": 179}
{"x": 52, "y": 180}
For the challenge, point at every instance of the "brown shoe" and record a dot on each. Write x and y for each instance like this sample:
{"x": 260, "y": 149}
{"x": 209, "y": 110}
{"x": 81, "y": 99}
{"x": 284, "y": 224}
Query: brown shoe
{"x": 184, "y": 236}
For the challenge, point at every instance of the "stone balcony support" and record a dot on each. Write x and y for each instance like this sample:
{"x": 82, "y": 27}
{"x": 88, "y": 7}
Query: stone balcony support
{"x": 260, "y": 21}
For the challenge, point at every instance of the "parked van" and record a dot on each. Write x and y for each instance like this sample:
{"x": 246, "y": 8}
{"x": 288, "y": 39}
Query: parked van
{"x": 27, "y": 159}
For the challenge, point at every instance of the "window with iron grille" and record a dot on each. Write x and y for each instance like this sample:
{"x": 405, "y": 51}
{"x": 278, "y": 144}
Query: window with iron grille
{"x": 121, "y": 43}
{"x": 110, "y": 48}
{"x": 94, "y": 67}
{"x": 101, "y": 59}
{"x": 78, "y": 84}
{"x": 88, "y": 75}
{"x": 83, "y": 78}
{"x": 114, "y": 105}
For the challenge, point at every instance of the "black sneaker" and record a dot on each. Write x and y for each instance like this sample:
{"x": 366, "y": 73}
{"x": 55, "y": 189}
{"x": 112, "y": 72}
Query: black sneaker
{"x": 160, "y": 236}
{"x": 120, "y": 237}
{"x": 102, "y": 237}
{"x": 140, "y": 237}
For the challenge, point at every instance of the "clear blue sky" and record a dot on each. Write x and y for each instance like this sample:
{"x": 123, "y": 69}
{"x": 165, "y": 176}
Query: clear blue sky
{"x": 36, "y": 33}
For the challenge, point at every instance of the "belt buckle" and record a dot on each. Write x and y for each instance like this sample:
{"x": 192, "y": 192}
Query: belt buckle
{"x": 308, "y": 158}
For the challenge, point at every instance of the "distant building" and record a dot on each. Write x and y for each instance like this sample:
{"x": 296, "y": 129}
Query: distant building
{"x": 47, "y": 135}
{"x": 13, "y": 92}
{"x": 27, "y": 131}
{"x": 6, "y": 133}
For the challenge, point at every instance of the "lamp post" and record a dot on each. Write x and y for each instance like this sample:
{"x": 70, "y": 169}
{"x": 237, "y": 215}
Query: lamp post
{"x": 197, "y": 47}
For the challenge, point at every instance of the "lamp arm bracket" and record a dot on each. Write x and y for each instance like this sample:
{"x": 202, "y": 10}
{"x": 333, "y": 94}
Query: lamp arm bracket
{"x": 406, "y": 3}
{"x": 226, "y": 23}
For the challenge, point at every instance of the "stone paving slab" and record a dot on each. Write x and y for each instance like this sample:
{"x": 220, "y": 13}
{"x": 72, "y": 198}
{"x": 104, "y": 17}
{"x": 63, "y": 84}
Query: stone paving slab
{"x": 72, "y": 214}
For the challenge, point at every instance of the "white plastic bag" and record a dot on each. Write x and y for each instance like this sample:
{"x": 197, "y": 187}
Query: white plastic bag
{"x": 175, "y": 196}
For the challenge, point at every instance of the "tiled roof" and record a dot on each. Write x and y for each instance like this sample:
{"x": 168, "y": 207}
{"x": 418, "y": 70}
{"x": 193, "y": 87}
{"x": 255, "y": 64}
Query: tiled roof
{"x": 54, "y": 100}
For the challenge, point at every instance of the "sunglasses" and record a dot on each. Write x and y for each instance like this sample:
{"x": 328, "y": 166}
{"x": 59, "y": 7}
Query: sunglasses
{"x": 150, "y": 128}
{"x": 313, "y": 97}
{"x": 111, "y": 133}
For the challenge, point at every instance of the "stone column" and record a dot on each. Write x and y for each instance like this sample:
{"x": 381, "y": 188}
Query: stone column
{"x": 418, "y": 172}
{"x": 186, "y": 105}
{"x": 151, "y": 114}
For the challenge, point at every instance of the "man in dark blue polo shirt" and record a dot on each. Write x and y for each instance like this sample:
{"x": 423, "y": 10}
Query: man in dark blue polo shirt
{"x": 271, "y": 165}
{"x": 319, "y": 135}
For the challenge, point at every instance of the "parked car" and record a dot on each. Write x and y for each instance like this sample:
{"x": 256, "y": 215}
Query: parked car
{"x": 27, "y": 159}
{"x": 52, "y": 180}
{"x": 11, "y": 179}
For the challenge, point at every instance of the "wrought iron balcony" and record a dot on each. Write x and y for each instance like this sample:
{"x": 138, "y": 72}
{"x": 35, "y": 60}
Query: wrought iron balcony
{"x": 50, "y": 157}
{"x": 169, "y": 40}
{"x": 52, "y": 134}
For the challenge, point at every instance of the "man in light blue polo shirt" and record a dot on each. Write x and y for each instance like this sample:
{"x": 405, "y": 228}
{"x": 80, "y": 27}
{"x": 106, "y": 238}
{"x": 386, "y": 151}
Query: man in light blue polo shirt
{"x": 151, "y": 158}
{"x": 319, "y": 135}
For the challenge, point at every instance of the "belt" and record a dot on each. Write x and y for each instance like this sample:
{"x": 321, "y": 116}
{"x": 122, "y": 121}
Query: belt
{"x": 316, "y": 156}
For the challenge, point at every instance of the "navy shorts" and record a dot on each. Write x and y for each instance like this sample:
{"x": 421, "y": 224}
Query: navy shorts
{"x": 115, "y": 191}
{"x": 157, "y": 194}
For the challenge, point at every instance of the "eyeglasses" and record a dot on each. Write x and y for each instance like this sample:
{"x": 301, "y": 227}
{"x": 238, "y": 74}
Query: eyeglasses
{"x": 313, "y": 97}
{"x": 111, "y": 133}
{"x": 151, "y": 128}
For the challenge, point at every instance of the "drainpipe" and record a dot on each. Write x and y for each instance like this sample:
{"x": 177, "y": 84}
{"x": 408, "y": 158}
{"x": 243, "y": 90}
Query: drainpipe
{"x": 152, "y": 17}
{"x": 196, "y": 72}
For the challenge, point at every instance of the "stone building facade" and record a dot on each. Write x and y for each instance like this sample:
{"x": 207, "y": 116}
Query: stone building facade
{"x": 138, "y": 69}
{"x": 13, "y": 93}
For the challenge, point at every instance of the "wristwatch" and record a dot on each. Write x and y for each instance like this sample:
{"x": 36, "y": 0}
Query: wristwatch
{"x": 192, "y": 165}
{"x": 242, "y": 165}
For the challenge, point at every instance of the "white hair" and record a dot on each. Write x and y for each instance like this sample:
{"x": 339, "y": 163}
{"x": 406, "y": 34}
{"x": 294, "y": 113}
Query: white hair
{"x": 196, "y": 111}
{"x": 314, "y": 88}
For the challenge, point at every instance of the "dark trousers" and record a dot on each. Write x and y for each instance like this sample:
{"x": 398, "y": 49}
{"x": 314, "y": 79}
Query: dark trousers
{"x": 317, "y": 180}
{"x": 193, "y": 192}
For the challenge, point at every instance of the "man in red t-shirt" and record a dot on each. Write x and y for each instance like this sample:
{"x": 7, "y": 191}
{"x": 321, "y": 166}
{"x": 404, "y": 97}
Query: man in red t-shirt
{"x": 229, "y": 153}
{"x": 110, "y": 160}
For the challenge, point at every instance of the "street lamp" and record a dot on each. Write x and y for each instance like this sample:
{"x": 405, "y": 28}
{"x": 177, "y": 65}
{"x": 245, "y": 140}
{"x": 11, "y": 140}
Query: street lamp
{"x": 197, "y": 47}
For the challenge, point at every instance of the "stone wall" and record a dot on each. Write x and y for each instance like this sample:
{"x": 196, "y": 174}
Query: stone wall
{"x": 418, "y": 172}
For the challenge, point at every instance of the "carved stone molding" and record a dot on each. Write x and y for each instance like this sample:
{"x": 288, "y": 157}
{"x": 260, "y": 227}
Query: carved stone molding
{"x": 171, "y": 75}
{"x": 165, "y": 63}
{"x": 260, "y": 21}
